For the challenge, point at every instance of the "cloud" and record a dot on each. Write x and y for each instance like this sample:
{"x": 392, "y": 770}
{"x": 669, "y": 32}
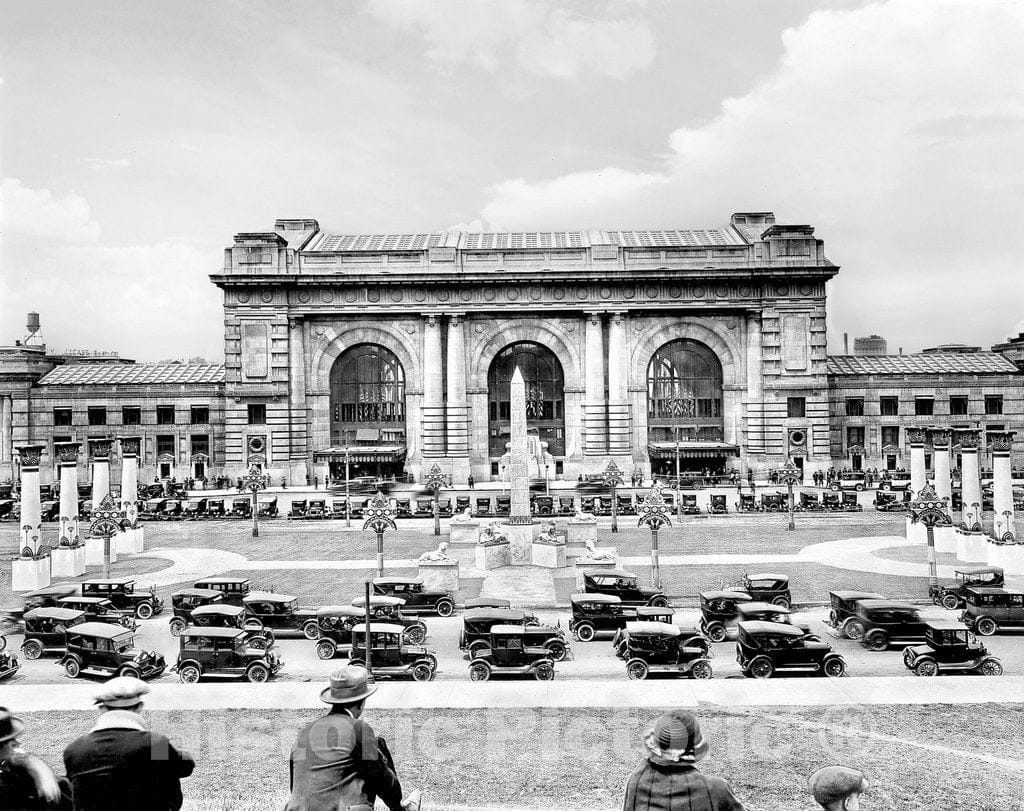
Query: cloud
{"x": 536, "y": 36}
{"x": 894, "y": 128}
{"x": 106, "y": 163}
{"x": 38, "y": 213}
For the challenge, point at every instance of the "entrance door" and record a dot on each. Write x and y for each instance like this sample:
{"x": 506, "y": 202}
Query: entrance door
{"x": 857, "y": 461}
{"x": 890, "y": 462}
{"x": 165, "y": 470}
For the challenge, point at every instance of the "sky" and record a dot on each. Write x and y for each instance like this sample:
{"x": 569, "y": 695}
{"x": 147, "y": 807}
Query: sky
{"x": 137, "y": 138}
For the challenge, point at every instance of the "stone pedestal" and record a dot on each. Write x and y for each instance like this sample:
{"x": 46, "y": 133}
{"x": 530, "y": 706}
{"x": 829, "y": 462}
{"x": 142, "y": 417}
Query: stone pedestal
{"x": 520, "y": 541}
{"x": 29, "y": 574}
{"x": 67, "y": 561}
{"x": 916, "y": 533}
{"x": 548, "y": 555}
{"x": 586, "y": 566}
{"x": 439, "y": 575}
{"x": 130, "y": 542}
{"x": 94, "y": 551}
{"x": 945, "y": 540}
{"x": 463, "y": 533}
{"x": 578, "y": 532}
{"x": 971, "y": 547}
{"x": 492, "y": 556}
{"x": 1008, "y": 555}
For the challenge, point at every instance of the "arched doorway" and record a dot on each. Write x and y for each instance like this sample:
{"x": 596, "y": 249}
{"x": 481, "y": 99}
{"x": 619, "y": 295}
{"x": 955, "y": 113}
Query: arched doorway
{"x": 367, "y": 413}
{"x": 684, "y": 409}
{"x": 545, "y": 396}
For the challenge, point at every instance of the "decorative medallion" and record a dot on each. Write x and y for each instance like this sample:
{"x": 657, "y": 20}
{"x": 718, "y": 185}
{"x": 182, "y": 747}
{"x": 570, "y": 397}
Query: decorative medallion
{"x": 396, "y": 295}
{"x": 651, "y": 291}
{"x": 582, "y": 293}
{"x": 326, "y": 296}
{"x": 628, "y": 292}
{"x": 722, "y": 291}
{"x": 267, "y": 296}
{"x": 697, "y": 291}
{"x": 558, "y": 293}
{"x": 410, "y": 328}
{"x": 443, "y": 294}
{"x": 466, "y": 294}
{"x": 420, "y": 295}
{"x": 512, "y": 293}
{"x": 351, "y": 296}
{"x": 745, "y": 291}
{"x": 806, "y": 289}
{"x": 489, "y": 294}
{"x": 303, "y": 296}
{"x": 781, "y": 290}
{"x": 373, "y": 294}
{"x": 320, "y": 330}
{"x": 479, "y": 329}
{"x": 243, "y": 296}
{"x": 536, "y": 293}
{"x": 675, "y": 291}
{"x": 606, "y": 292}
{"x": 106, "y": 519}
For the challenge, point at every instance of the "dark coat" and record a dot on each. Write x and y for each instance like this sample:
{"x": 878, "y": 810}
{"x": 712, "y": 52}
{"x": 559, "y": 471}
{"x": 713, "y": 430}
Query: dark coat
{"x": 18, "y": 791}
{"x": 338, "y": 762}
{"x": 677, "y": 787}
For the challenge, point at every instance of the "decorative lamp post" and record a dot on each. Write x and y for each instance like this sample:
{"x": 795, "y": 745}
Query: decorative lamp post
{"x": 678, "y": 506}
{"x": 348, "y": 496}
{"x": 435, "y": 480}
{"x": 254, "y": 481}
{"x": 612, "y": 477}
{"x": 379, "y": 518}
{"x": 654, "y": 515}
{"x": 106, "y": 523}
{"x": 928, "y": 509}
{"x": 789, "y": 475}
{"x": 547, "y": 481}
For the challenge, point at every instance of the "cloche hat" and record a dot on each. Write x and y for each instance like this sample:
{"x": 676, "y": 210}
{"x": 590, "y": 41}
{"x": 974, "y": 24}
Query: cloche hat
{"x": 676, "y": 738}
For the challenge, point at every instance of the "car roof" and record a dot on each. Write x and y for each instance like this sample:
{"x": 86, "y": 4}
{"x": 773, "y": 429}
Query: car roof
{"x": 752, "y": 608}
{"x": 857, "y": 595}
{"x": 394, "y": 581}
{"x": 587, "y": 597}
{"x": 78, "y": 598}
{"x": 218, "y": 608}
{"x": 726, "y": 595}
{"x": 108, "y": 581}
{"x": 652, "y": 610}
{"x": 378, "y": 599}
{"x": 649, "y": 627}
{"x": 267, "y": 597}
{"x": 222, "y": 580}
{"x": 103, "y": 630}
{"x": 946, "y": 625}
{"x": 52, "y": 612}
{"x": 758, "y": 627}
{"x": 508, "y": 629}
{"x": 488, "y": 602}
{"x": 886, "y": 604}
{"x": 222, "y": 633}
{"x": 992, "y": 590}
{"x": 494, "y": 613}
{"x": 979, "y": 570}
{"x": 338, "y": 611}
{"x": 378, "y": 627}
{"x": 612, "y": 573}
{"x": 54, "y": 588}
{"x": 211, "y": 593}
{"x": 767, "y": 576}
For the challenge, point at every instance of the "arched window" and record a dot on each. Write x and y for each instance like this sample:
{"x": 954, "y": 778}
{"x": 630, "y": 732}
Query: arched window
{"x": 367, "y": 391}
{"x": 684, "y": 393}
{"x": 545, "y": 392}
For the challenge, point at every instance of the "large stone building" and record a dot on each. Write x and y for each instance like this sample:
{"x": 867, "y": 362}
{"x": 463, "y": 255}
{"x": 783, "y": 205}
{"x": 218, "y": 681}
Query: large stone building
{"x": 396, "y": 350}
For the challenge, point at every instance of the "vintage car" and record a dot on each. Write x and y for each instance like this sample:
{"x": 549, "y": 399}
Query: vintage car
{"x": 108, "y": 650}
{"x": 889, "y": 622}
{"x": 623, "y": 585}
{"x": 988, "y": 609}
{"x": 390, "y": 609}
{"x": 46, "y": 630}
{"x": 765, "y": 648}
{"x": 774, "y": 502}
{"x": 266, "y": 506}
{"x": 719, "y": 504}
{"x": 7, "y": 508}
{"x": 298, "y": 508}
{"x": 12, "y": 618}
{"x": 842, "y": 616}
{"x": 851, "y": 480}
{"x": 658, "y": 647}
{"x": 185, "y": 601}
{"x": 215, "y": 508}
{"x": 719, "y": 612}
{"x": 832, "y": 502}
{"x": 317, "y": 508}
{"x": 688, "y": 504}
{"x": 949, "y": 647}
{"x": 390, "y": 656}
{"x": 241, "y": 507}
{"x": 9, "y": 665}
{"x": 223, "y": 653}
{"x": 234, "y": 589}
{"x": 766, "y": 587}
{"x": 49, "y": 510}
{"x": 477, "y": 625}
{"x": 596, "y": 613}
{"x": 809, "y": 502}
{"x": 891, "y": 502}
{"x": 895, "y": 480}
{"x": 222, "y": 615}
{"x": 509, "y": 653}
{"x": 172, "y": 510}
{"x": 747, "y": 503}
{"x": 281, "y": 613}
{"x": 851, "y": 503}
{"x": 195, "y": 508}
{"x": 335, "y": 623}
{"x": 122, "y": 593}
{"x": 487, "y": 602}
{"x": 952, "y": 596}
{"x": 418, "y": 600}
{"x": 769, "y": 612}
{"x": 99, "y": 609}
{"x": 152, "y": 508}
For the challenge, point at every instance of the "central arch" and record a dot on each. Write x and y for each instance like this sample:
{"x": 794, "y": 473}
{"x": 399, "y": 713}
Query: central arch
{"x": 545, "y": 396}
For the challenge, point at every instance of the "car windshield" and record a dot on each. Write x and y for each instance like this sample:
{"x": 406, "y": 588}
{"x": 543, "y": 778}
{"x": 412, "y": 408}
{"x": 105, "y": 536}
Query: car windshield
{"x": 240, "y": 644}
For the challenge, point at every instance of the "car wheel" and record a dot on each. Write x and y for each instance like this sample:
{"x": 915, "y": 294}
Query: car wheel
{"x": 3, "y": 642}
{"x": 415, "y": 634}
{"x": 129, "y": 672}
{"x": 659, "y": 602}
{"x": 72, "y": 668}
{"x": 479, "y": 672}
{"x": 325, "y": 649}
{"x": 144, "y": 611}
{"x": 422, "y": 672}
{"x": 783, "y": 601}
{"x": 256, "y": 642}
{"x": 950, "y": 602}
{"x": 927, "y": 667}
{"x": 833, "y": 618}
{"x": 177, "y": 626}
{"x": 877, "y": 642}
{"x": 860, "y": 488}
{"x": 189, "y": 674}
{"x": 545, "y": 671}
{"x": 716, "y": 632}
{"x": 834, "y": 488}
{"x": 310, "y": 630}
{"x": 257, "y": 673}
{"x": 557, "y": 650}
{"x": 991, "y": 667}
{"x": 702, "y": 670}
{"x": 854, "y": 630}
{"x": 584, "y": 632}
{"x": 908, "y": 657}
{"x": 986, "y": 626}
{"x": 835, "y": 667}
{"x": 445, "y": 608}
{"x": 762, "y": 668}
{"x": 698, "y": 642}
{"x": 32, "y": 649}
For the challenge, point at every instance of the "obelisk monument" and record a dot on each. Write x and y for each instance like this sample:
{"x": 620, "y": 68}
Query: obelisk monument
{"x": 520, "y": 520}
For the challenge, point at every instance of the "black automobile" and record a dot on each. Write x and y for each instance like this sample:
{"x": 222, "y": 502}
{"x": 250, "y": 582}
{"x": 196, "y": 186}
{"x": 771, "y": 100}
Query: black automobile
{"x": 281, "y": 613}
{"x": 688, "y": 637}
{"x": 950, "y": 647}
{"x": 889, "y": 622}
{"x": 596, "y": 613}
{"x": 766, "y": 587}
{"x": 688, "y": 504}
{"x": 747, "y": 503}
{"x": 223, "y": 653}
{"x": 222, "y": 615}
{"x": 184, "y": 602}
{"x": 774, "y": 502}
{"x": 234, "y": 589}
{"x": 9, "y": 664}
{"x": 121, "y": 591}
{"x": 487, "y": 602}
{"x": 215, "y": 508}
{"x": 195, "y": 508}
{"x": 391, "y": 657}
{"x": 766, "y": 648}
{"x": 391, "y": 609}
{"x": 335, "y": 623}
{"x": 46, "y": 630}
{"x": 989, "y": 609}
{"x": 418, "y": 600}
{"x": 477, "y": 625}
{"x": 842, "y": 616}
{"x": 108, "y": 650}
{"x": 769, "y": 612}
{"x": 809, "y": 502}
{"x": 99, "y": 609}
{"x": 241, "y": 507}
{"x": 623, "y": 585}
{"x": 267, "y": 506}
{"x": 719, "y": 504}
{"x": 952, "y": 596}
{"x": 12, "y": 619}
{"x": 719, "y": 611}
{"x": 509, "y": 653}
{"x": 889, "y": 502}
{"x": 657, "y": 647}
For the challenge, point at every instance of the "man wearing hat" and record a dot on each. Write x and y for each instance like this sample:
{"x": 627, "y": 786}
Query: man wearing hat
{"x": 838, "y": 788}
{"x": 25, "y": 781}
{"x": 668, "y": 780}
{"x": 338, "y": 763}
{"x": 120, "y": 763}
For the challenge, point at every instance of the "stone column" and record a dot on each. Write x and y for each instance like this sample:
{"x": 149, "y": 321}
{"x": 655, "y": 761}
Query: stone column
{"x": 1003, "y": 529}
{"x": 945, "y": 537}
{"x": 457, "y": 410}
{"x": 970, "y": 479}
{"x": 618, "y": 375}
{"x": 594, "y": 410}
{"x": 6, "y": 430}
{"x": 755, "y": 387}
{"x": 67, "y": 465}
{"x": 918, "y": 479}
{"x": 99, "y": 454}
{"x": 131, "y": 540}
{"x": 433, "y": 390}
{"x": 30, "y": 572}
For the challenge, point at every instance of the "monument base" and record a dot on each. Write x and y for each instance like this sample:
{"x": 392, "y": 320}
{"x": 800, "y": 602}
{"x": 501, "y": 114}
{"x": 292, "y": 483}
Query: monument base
{"x": 67, "y": 561}
{"x": 439, "y": 575}
{"x": 916, "y": 533}
{"x": 578, "y": 532}
{"x": 94, "y": 551}
{"x": 29, "y": 574}
{"x": 520, "y": 542}
{"x": 945, "y": 540}
{"x": 463, "y": 533}
{"x": 1008, "y": 555}
{"x": 492, "y": 556}
{"x": 971, "y": 546}
{"x": 130, "y": 542}
{"x": 548, "y": 555}
{"x": 585, "y": 566}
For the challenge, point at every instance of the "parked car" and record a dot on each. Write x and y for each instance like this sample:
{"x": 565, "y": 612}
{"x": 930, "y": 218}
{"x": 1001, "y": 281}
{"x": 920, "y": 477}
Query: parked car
{"x": 41, "y": 598}
{"x": 719, "y": 612}
{"x": 688, "y": 504}
{"x": 852, "y": 480}
{"x": 774, "y": 502}
{"x": 335, "y": 623}
{"x": 185, "y": 601}
{"x": 487, "y": 602}
{"x": 596, "y": 613}
{"x": 766, "y": 587}
{"x": 46, "y": 630}
{"x": 809, "y": 502}
{"x": 267, "y": 506}
{"x": 233, "y": 589}
{"x": 241, "y": 507}
{"x": 952, "y": 596}
{"x": 851, "y": 503}
{"x": 719, "y": 504}
{"x": 391, "y": 609}
{"x": 765, "y": 648}
{"x": 769, "y": 612}
{"x": 317, "y": 508}
{"x": 195, "y": 508}
{"x": 9, "y": 665}
{"x": 842, "y": 616}
{"x": 477, "y": 625}
{"x": 99, "y": 609}
{"x": 989, "y": 609}
{"x": 623, "y": 585}
{"x": 121, "y": 591}
{"x": 891, "y": 502}
{"x": 896, "y": 480}
{"x": 221, "y": 615}
{"x": 298, "y": 509}
{"x": 508, "y": 653}
{"x": 108, "y": 650}
{"x": 215, "y": 508}
{"x": 747, "y": 503}
{"x": 152, "y": 508}
{"x": 172, "y": 509}
{"x": 391, "y": 656}
{"x": 281, "y": 613}
{"x": 950, "y": 647}
{"x": 657, "y": 647}
{"x": 888, "y": 622}
{"x": 418, "y": 600}
{"x": 223, "y": 653}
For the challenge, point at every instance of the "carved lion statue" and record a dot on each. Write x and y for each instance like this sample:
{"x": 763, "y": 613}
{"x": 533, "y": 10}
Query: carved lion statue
{"x": 593, "y": 553}
{"x": 439, "y": 555}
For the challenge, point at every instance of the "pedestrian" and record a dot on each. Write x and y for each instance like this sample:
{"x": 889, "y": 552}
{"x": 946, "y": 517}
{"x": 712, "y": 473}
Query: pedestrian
{"x": 316, "y": 482}
{"x": 470, "y": 481}
{"x": 120, "y": 763}
{"x": 338, "y": 762}
{"x": 25, "y": 781}
{"x": 668, "y": 779}
{"x": 837, "y": 788}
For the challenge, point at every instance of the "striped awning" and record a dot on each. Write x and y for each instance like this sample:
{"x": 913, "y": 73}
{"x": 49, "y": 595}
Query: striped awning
{"x": 361, "y": 453}
{"x": 692, "y": 450}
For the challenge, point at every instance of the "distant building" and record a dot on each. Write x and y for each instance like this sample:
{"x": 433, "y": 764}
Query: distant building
{"x": 1012, "y": 350}
{"x": 872, "y": 345}
{"x": 951, "y": 349}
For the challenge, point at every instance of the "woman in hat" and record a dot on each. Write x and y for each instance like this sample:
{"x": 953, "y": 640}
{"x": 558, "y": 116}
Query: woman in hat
{"x": 668, "y": 780}
{"x": 25, "y": 781}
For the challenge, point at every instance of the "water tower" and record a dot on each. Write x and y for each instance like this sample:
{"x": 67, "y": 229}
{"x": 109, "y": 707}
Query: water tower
{"x": 32, "y": 334}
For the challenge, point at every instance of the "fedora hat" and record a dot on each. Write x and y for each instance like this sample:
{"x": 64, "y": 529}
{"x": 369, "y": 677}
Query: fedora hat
{"x": 676, "y": 738}
{"x": 10, "y": 727}
{"x": 347, "y": 686}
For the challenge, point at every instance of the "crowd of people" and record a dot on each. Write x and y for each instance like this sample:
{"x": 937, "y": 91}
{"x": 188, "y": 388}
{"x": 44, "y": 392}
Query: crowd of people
{"x": 338, "y": 763}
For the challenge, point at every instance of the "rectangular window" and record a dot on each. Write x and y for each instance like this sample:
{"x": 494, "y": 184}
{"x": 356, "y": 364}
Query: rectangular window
{"x": 131, "y": 415}
{"x": 958, "y": 405}
{"x": 200, "y": 415}
{"x": 559, "y": 468}
{"x": 924, "y": 406}
{"x": 257, "y": 414}
{"x": 928, "y": 461}
{"x": 200, "y": 444}
{"x": 891, "y": 436}
{"x": 97, "y": 415}
{"x": 993, "y": 404}
{"x": 62, "y": 416}
{"x": 494, "y": 468}
{"x": 165, "y": 444}
{"x": 889, "y": 406}
{"x": 165, "y": 415}
{"x": 796, "y": 406}
{"x": 61, "y": 438}
{"x": 854, "y": 406}
{"x": 855, "y": 436}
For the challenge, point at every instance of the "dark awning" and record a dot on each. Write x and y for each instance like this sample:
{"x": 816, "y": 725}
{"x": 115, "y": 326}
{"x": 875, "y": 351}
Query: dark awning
{"x": 361, "y": 453}
{"x": 692, "y": 450}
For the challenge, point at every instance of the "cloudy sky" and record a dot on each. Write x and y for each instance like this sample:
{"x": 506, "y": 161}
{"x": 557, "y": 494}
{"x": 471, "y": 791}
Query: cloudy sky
{"x": 138, "y": 137}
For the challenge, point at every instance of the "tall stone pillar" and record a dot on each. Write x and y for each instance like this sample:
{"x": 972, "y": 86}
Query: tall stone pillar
{"x": 755, "y": 387}
{"x": 595, "y": 423}
{"x": 970, "y": 479}
{"x": 131, "y": 540}
{"x": 6, "y": 428}
{"x": 433, "y": 421}
{"x": 68, "y": 558}
{"x": 1003, "y": 528}
{"x": 945, "y": 537}
{"x": 456, "y": 406}
{"x": 619, "y": 427}
{"x": 99, "y": 455}
{"x": 918, "y": 479}
{"x": 30, "y": 571}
